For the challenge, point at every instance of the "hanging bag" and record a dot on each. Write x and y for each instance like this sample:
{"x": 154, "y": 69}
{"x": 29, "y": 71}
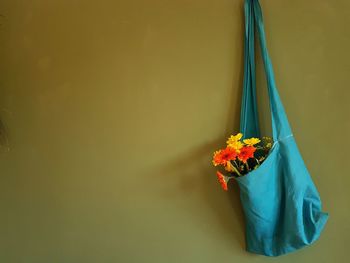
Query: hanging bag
{"x": 281, "y": 203}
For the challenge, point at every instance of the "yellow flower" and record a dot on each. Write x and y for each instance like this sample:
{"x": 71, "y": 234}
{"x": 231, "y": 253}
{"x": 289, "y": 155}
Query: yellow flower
{"x": 228, "y": 167}
{"x": 237, "y": 145}
{"x": 234, "y": 139}
{"x": 251, "y": 141}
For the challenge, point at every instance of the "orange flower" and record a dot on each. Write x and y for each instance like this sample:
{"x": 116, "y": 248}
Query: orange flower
{"x": 224, "y": 156}
{"x": 222, "y": 180}
{"x": 246, "y": 153}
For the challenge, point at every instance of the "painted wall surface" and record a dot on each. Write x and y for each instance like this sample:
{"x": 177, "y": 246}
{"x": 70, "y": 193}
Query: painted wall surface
{"x": 113, "y": 110}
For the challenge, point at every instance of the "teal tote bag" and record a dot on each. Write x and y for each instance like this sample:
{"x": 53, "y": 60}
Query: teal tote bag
{"x": 282, "y": 207}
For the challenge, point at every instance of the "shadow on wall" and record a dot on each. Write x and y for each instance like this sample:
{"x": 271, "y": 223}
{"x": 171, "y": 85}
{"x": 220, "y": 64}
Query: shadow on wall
{"x": 4, "y": 144}
{"x": 198, "y": 178}
{"x": 195, "y": 175}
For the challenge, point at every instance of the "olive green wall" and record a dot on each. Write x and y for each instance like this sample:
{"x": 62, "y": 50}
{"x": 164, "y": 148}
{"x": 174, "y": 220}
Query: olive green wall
{"x": 113, "y": 110}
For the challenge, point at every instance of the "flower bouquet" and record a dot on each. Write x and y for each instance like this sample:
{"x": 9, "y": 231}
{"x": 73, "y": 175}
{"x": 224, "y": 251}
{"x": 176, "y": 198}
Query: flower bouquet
{"x": 241, "y": 156}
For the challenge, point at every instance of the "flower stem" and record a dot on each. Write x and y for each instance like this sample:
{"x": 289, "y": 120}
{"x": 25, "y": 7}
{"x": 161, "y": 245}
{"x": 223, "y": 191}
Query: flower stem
{"x": 236, "y": 171}
{"x": 246, "y": 164}
{"x": 235, "y": 168}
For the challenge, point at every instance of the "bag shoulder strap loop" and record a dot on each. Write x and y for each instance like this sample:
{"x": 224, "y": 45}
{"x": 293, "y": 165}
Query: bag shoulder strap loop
{"x": 249, "y": 113}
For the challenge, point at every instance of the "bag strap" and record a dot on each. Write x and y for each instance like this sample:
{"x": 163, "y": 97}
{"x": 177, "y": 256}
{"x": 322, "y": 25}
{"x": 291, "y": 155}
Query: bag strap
{"x": 249, "y": 113}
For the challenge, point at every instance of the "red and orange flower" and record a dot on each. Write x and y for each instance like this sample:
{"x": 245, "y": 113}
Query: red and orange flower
{"x": 234, "y": 158}
{"x": 221, "y": 157}
{"x": 222, "y": 180}
{"x": 246, "y": 153}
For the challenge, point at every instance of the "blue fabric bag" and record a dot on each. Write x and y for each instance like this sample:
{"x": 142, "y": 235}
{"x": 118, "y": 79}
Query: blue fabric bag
{"x": 280, "y": 201}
